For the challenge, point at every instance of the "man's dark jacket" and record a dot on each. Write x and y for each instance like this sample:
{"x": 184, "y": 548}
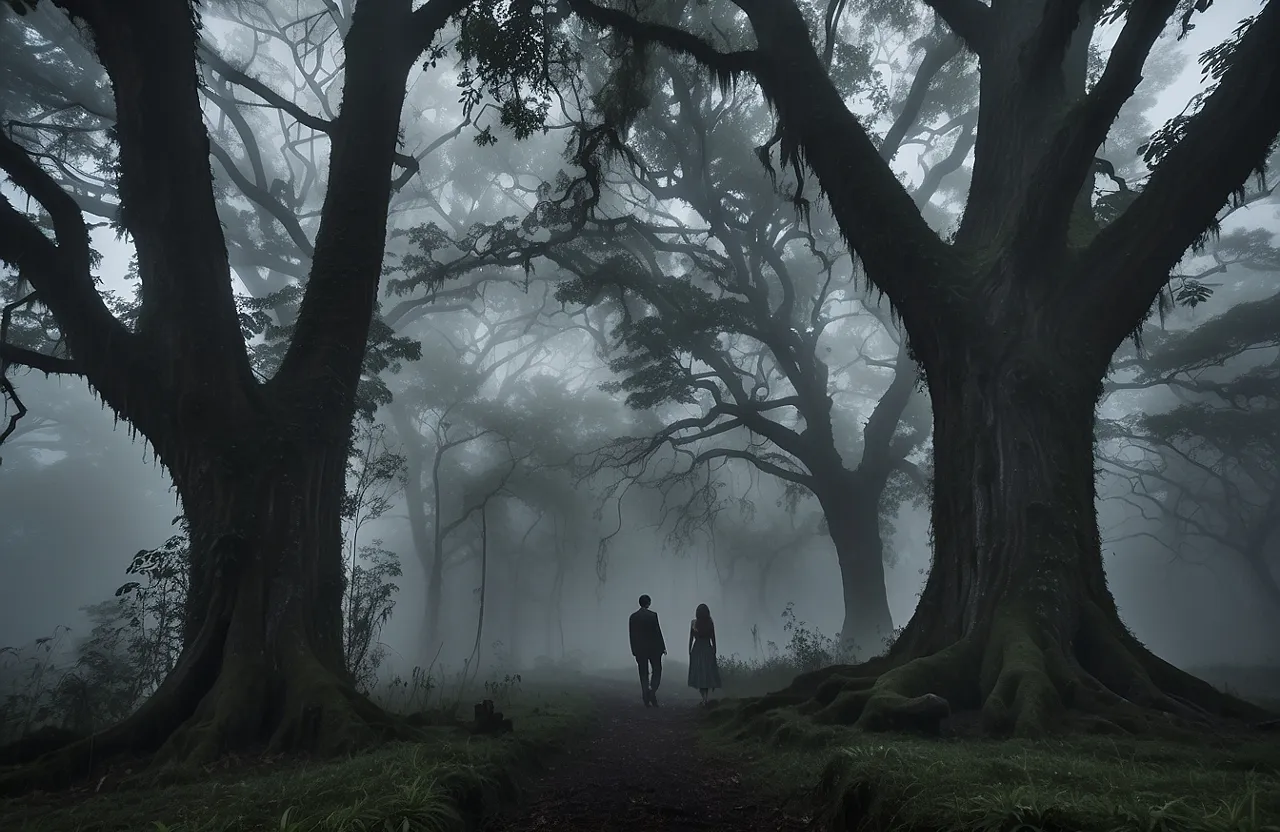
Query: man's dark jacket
{"x": 646, "y": 635}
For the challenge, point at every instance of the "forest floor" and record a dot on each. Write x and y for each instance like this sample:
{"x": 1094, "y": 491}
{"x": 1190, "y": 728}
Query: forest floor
{"x": 1219, "y": 783}
{"x": 586, "y": 755}
{"x": 441, "y": 782}
{"x": 646, "y": 769}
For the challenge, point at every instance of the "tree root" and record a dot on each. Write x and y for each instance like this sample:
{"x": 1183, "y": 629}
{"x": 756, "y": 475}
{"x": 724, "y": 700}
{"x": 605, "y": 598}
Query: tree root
{"x": 1023, "y": 682}
{"x": 309, "y": 710}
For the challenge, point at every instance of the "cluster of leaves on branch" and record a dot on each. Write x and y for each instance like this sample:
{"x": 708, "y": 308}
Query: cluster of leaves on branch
{"x": 513, "y": 52}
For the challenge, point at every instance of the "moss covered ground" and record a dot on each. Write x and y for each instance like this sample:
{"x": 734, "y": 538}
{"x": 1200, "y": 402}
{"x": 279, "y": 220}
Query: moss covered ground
{"x": 871, "y": 781}
{"x": 446, "y": 781}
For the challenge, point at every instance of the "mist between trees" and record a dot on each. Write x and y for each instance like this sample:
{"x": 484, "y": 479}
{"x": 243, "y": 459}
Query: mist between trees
{"x": 448, "y": 331}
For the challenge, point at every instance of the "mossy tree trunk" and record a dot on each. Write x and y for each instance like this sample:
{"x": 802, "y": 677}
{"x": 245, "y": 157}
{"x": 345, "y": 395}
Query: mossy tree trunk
{"x": 259, "y": 466}
{"x": 1014, "y": 323}
{"x": 1016, "y": 618}
{"x": 264, "y": 668}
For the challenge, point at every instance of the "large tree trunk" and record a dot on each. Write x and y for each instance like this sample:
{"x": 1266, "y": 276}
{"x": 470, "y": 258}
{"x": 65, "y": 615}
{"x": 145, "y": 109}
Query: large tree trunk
{"x": 259, "y": 467}
{"x": 266, "y": 665}
{"x": 1016, "y": 618}
{"x": 263, "y": 668}
{"x": 853, "y": 521}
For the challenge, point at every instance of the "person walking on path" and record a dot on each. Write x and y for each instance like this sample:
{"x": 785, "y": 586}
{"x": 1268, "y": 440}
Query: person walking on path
{"x": 648, "y": 647}
{"x": 704, "y": 673}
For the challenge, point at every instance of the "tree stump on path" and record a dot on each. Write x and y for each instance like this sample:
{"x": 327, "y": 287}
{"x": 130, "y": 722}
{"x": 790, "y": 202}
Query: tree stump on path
{"x": 490, "y": 721}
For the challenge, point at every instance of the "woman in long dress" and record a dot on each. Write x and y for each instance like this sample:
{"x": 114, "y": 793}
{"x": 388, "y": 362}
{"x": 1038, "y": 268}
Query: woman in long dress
{"x": 704, "y": 674}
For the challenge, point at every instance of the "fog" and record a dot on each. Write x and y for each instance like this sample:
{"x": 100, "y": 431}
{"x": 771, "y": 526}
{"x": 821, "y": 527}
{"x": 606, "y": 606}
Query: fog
{"x": 509, "y": 385}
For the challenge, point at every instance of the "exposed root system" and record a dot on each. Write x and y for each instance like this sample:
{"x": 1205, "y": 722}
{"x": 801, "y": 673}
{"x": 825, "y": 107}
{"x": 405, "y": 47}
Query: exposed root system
{"x": 1023, "y": 683}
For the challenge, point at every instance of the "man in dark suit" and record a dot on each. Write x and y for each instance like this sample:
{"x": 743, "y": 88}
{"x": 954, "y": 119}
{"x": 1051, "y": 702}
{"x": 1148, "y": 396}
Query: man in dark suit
{"x": 648, "y": 647}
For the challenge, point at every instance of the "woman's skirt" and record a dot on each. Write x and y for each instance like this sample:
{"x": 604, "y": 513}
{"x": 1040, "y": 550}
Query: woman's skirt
{"x": 703, "y": 671}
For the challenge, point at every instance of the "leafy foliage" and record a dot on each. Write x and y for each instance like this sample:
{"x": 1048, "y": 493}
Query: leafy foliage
{"x": 375, "y": 475}
{"x": 514, "y": 53}
{"x": 370, "y": 603}
{"x": 134, "y": 642}
{"x": 806, "y": 649}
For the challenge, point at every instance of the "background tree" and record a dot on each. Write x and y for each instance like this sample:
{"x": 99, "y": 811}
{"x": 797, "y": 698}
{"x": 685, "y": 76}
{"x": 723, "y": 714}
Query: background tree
{"x": 1203, "y": 474}
{"x": 749, "y": 556}
{"x": 741, "y": 342}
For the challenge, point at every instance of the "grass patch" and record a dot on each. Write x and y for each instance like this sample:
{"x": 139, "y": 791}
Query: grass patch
{"x": 856, "y": 781}
{"x": 773, "y": 666}
{"x": 444, "y": 782}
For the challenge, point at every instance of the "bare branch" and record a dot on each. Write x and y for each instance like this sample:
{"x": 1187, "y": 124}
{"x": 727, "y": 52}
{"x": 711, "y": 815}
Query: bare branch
{"x": 935, "y": 58}
{"x": 9, "y": 354}
{"x": 764, "y": 465}
{"x": 321, "y": 125}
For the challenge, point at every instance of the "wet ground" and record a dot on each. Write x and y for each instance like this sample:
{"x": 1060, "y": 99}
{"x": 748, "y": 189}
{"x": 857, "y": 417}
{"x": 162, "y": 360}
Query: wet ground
{"x": 642, "y": 769}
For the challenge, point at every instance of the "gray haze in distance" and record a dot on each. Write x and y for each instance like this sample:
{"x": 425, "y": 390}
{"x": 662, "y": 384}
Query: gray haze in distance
{"x": 1190, "y": 613}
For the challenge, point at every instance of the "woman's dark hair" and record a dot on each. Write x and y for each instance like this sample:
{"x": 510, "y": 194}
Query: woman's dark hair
{"x": 706, "y": 627}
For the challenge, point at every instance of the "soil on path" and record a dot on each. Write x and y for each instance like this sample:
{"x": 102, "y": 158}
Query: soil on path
{"x": 641, "y": 769}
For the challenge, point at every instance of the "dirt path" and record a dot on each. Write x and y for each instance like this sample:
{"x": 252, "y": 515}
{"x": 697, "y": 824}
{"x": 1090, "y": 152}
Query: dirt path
{"x": 641, "y": 770}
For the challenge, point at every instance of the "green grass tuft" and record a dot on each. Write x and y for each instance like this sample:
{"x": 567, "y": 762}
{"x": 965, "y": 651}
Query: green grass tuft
{"x": 441, "y": 783}
{"x": 856, "y": 781}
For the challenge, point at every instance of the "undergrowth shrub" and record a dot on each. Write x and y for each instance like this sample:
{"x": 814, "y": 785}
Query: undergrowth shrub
{"x": 82, "y": 685}
{"x": 805, "y": 649}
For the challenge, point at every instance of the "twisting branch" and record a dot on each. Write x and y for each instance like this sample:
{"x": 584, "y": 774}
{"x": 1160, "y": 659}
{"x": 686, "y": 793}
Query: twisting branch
{"x": 321, "y": 125}
{"x": 1070, "y": 158}
{"x": 60, "y": 273}
{"x": 757, "y": 461}
{"x": 1129, "y": 262}
{"x": 901, "y": 253}
{"x": 11, "y": 354}
{"x": 938, "y": 55}
{"x": 341, "y": 295}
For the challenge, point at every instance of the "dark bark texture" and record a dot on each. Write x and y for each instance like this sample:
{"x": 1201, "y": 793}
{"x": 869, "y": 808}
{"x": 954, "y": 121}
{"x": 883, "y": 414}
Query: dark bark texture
{"x": 259, "y": 467}
{"x": 1014, "y": 323}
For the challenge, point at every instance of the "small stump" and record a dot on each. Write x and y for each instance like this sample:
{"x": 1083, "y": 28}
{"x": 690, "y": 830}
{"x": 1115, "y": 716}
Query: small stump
{"x": 490, "y": 721}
